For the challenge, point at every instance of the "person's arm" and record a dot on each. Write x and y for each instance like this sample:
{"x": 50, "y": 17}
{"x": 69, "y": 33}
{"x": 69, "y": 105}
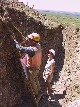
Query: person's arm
{"x": 29, "y": 50}
{"x": 52, "y": 68}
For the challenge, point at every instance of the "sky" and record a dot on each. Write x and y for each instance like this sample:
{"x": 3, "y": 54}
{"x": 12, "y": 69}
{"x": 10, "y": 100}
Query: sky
{"x": 56, "y": 5}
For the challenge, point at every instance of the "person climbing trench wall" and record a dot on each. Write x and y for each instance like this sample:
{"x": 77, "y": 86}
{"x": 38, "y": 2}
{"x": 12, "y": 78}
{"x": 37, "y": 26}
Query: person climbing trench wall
{"x": 30, "y": 54}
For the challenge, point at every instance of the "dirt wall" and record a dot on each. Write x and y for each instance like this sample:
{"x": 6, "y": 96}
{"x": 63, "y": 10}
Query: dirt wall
{"x": 12, "y": 85}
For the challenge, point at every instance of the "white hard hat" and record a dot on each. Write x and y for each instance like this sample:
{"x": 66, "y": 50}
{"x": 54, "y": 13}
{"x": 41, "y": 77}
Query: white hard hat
{"x": 52, "y": 51}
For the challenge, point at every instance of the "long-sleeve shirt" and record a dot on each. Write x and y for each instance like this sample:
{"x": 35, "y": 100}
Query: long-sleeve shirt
{"x": 28, "y": 50}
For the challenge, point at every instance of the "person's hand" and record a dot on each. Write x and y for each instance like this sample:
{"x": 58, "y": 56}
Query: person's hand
{"x": 13, "y": 37}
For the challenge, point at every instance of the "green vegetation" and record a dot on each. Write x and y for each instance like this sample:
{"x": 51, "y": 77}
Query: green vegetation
{"x": 63, "y": 18}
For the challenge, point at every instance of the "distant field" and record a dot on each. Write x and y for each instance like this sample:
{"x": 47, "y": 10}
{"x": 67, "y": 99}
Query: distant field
{"x": 63, "y": 18}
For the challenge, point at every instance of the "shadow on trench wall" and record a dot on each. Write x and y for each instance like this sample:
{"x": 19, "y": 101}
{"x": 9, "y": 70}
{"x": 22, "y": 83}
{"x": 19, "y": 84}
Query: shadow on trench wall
{"x": 59, "y": 62}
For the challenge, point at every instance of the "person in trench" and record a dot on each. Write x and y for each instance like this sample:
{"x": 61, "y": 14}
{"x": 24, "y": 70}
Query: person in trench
{"x": 32, "y": 60}
{"x": 49, "y": 70}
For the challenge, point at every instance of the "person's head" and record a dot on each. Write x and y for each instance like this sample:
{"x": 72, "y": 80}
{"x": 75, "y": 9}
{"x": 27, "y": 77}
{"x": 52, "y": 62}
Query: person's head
{"x": 51, "y": 53}
{"x": 34, "y": 37}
